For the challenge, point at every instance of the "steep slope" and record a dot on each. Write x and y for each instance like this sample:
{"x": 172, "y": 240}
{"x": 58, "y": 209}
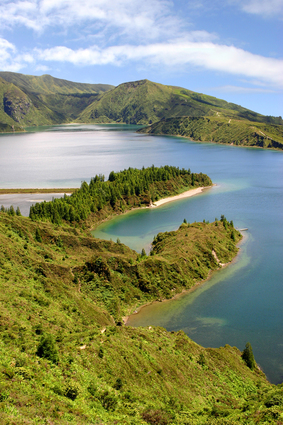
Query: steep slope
{"x": 145, "y": 102}
{"x": 30, "y": 101}
{"x": 46, "y": 84}
{"x": 64, "y": 359}
{"x": 19, "y": 109}
{"x": 221, "y": 130}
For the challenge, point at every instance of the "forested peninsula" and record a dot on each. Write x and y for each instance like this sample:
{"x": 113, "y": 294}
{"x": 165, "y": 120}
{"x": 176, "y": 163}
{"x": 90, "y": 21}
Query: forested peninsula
{"x": 65, "y": 355}
{"x": 131, "y": 188}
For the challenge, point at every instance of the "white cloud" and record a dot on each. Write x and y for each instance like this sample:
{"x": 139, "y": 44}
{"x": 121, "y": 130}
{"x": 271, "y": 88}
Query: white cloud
{"x": 149, "y": 19}
{"x": 10, "y": 60}
{"x": 238, "y": 89}
{"x": 206, "y": 55}
{"x": 265, "y": 8}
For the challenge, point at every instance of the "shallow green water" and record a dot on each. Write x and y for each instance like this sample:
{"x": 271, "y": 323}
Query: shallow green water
{"x": 240, "y": 303}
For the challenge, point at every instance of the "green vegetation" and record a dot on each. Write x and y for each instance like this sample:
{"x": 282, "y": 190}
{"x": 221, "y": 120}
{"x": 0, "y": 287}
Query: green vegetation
{"x": 65, "y": 355}
{"x": 248, "y": 357}
{"x": 145, "y": 102}
{"x": 65, "y": 358}
{"x": 221, "y": 130}
{"x": 122, "y": 191}
{"x": 43, "y": 190}
{"x": 28, "y": 100}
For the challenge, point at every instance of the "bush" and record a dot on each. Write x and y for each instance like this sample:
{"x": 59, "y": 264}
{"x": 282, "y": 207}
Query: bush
{"x": 108, "y": 401}
{"x": 72, "y": 390}
{"x": 155, "y": 417}
{"x": 47, "y": 349}
{"x": 118, "y": 384}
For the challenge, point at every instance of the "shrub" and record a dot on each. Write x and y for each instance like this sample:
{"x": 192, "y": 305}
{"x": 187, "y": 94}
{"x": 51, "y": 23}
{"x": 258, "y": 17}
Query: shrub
{"x": 108, "y": 401}
{"x": 72, "y": 390}
{"x": 92, "y": 388}
{"x": 118, "y": 384}
{"x": 38, "y": 235}
{"x": 47, "y": 349}
{"x": 155, "y": 417}
{"x": 22, "y": 371}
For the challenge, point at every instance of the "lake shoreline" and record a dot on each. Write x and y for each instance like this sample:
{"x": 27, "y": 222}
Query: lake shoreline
{"x": 182, "y": 195}
{"x": 37, "y": 190}
{"x": 186, "y": 291}
{"x": 212, "y": 142}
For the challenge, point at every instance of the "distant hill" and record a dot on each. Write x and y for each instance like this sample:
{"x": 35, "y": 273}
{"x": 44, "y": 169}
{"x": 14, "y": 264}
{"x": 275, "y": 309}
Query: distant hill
{"x": 28, "y": 100}
{"x": 145, "y": 102}
{"x": 221, "y": 130}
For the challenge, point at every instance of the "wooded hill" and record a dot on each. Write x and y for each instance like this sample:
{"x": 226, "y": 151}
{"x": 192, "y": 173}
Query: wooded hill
{"x": 32, "y": 101}
{"x": 221, "y": 129}
{"x": 65, "y": 356}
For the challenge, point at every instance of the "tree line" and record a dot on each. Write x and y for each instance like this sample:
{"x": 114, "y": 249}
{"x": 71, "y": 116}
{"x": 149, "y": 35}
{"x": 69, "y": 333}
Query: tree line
{"x": 123, "y": 190}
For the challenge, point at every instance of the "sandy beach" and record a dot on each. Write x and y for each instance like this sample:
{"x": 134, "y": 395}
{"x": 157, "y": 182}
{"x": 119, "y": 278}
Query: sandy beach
{"x": 186, "y": 194}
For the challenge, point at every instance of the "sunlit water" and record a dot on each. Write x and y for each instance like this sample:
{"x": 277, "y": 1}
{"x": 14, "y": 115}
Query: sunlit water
{"x": 242, "y": 302}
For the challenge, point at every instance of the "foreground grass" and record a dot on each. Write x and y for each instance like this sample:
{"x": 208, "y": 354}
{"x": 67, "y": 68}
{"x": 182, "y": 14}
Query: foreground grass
{"x": 57, "y": 282}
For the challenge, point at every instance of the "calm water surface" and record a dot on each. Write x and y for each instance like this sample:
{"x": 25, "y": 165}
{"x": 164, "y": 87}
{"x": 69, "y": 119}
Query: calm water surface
{"x": 242, "y": 302}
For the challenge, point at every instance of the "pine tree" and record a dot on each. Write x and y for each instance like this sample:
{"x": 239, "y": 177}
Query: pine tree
{"x": 248, "y": 357}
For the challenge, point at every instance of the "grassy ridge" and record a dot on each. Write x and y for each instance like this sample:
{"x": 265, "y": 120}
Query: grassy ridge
{"x": 31, "y": 101}
{"x": 145, "y": 102}
{"x": 221, "y": 130}
{"x": 60, "y": 285}
{"x": 28, "y": 100}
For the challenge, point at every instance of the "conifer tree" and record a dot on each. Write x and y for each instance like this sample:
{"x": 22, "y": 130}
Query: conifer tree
{"x": 248, "y": 357}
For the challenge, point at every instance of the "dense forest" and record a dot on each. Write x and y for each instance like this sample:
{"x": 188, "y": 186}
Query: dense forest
{"x": 122, "y": 191}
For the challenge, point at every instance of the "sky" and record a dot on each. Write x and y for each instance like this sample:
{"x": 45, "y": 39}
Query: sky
{"x": 230, "y": 49}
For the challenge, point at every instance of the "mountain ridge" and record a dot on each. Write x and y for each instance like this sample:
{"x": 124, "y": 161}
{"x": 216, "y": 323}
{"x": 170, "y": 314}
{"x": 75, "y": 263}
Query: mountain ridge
{"x": 27, "y": 100}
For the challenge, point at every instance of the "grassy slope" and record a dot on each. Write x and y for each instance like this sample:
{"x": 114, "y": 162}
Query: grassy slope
{"x": 143, "y": 102}
{"x": 72, "y": 286}
{"x": 221, "y": 130}
{"x": 45, "y": 100}
{"x": 46, "y": 84}
{"x": 21, "y": 109}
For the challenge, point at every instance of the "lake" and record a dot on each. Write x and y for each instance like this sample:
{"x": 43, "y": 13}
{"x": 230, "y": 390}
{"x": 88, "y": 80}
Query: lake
{"x": 240, "y": 303}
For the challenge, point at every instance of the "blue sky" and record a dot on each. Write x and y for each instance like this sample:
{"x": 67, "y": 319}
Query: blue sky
{"x": 231, "y": 49}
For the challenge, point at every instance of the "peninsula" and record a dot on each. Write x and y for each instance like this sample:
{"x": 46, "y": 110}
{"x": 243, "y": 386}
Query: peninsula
{"x": 65, "y": 355}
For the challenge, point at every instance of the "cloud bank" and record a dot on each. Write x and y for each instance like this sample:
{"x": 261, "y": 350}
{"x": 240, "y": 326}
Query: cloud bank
{"x": 123, "y": 32}
{"x": 206, "y": 55}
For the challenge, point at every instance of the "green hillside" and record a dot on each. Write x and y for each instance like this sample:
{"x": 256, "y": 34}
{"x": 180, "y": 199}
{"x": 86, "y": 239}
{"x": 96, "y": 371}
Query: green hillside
{"x": 221, "y": 130}
{"x": 31, "y": 101}
{"x": 46, "y": 84}
{"x": 19, "y": 109}
{"x": 65, "y": 356}
{"x": 145, "y": 102}
{"x": 28, "y": 100}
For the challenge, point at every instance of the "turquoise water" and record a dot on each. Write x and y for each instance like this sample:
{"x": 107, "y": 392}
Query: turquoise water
{"x": 242, "y": 302}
